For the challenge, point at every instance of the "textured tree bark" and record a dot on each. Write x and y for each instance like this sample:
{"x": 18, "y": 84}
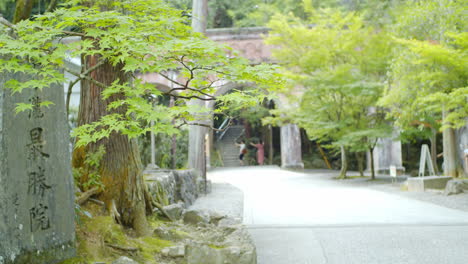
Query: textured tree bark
{"x": 344, "y": 163}
{"x": 434, "y": 150}
{"x": 371, "y": 150}
{"x": 23, "y": 10}
{"x": 360, "y": 160}
{"x": 52, "y": 5}
{"x": 121, "y": 167}
{"x": 270, "y": 145}
{"x": 173, "y": 140}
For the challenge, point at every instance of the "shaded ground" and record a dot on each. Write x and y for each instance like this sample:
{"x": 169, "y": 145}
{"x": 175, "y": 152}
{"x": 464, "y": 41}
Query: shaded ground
{"x": 311, "y": 218}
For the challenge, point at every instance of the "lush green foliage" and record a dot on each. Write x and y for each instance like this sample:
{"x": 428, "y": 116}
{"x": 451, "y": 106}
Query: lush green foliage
{"x": 340, "y": 63}
{"x": 249, "y": 13}
{"x": 90, "y": 170}
{"x": 429, "y": 72}
{"x": 144, "y": 36}
{"x": 163, "y": 150}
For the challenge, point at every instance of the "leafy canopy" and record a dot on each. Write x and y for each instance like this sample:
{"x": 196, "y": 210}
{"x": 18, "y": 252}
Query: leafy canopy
{"x": 143, "y": 36}
{"x": 339, "y": 63}
{"x": 429, "y": 70}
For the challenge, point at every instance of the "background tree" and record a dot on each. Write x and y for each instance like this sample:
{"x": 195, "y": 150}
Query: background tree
{"x": 17, "y": 10}
{"x": 341, "y": 64}
{"x": 429, "y": 68}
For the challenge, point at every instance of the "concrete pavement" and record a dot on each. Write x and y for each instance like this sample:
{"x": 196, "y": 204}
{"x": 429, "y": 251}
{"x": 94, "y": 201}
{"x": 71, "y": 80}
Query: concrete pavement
{"x": 309, "y": 218}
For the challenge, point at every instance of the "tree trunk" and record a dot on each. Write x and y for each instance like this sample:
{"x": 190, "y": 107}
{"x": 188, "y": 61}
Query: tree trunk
{"x": 306, "y": 143}
{"x": 360, "y": 160}
{"x": 371, "y": 150}
{"x": 247, "y": 128}
{"x": 450, "y": 150}
{"x": 434, "y": 150}
{"x": 120, "y": 168}
{"x": 324, "y": 156}
{"x": 23, "y": 10}
{"x": 174, "y": 140}
{"x": 52, "y": 5}
{"x": 270, "y": 145}
{"x": 344, "y": 163}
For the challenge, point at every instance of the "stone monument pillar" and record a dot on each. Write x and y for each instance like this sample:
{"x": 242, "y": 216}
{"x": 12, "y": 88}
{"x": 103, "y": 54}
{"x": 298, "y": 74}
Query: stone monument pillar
{"x": 36, "y": 183}
{"x": 197, "y": 146}
{"x": 197, "y": 134}
{"x": 387, "y": 153}
{"x": 291, "y": 153}
{"x": 461, "y": 136}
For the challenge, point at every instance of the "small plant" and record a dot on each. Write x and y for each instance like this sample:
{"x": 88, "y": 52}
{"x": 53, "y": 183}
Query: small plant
{"x": 90, "y": 171}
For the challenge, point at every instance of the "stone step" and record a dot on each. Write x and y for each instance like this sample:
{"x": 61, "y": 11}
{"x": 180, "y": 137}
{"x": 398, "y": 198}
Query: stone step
{"x": 229, "y": 151}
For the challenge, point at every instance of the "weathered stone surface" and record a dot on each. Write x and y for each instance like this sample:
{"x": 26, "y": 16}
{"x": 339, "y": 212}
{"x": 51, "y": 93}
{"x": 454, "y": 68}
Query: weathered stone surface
{"x": 177, "y": 251}
{"x": 36, "y": 184}
{"x": 196, "y": 253}
{"x": 231, "y": 244}
{"x": 162, "y": 186}
{"x": 229, "y": 221}
{"x": 196, "y": 217}
{"x": 461, "y": 137}
{"x": 456, "y": 187}
{"x": 187, "y": 189}
{"x": 170, "y": 234}
{"x": 164, "y": 233}
{"x": 215, "y": 217}
{"x": 207, "y": 243}
{"x": 387, "y": 153}
{"x": 172, "y": 186}
{"x": 420, "y": 184}
{"x": 174, "y": 210}
{"x": 124, "y": 260}
{"x": 291, "y": 155}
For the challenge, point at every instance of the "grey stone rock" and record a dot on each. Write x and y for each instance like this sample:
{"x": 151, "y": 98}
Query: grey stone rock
{"x": 164, "y": 233}
{"x": 291, "y": 158}
{"x": 456, "y": 187}
{"x": 170, "y": 186}
{"x": 124, "y": 260}
{"x": 421, "y": 184}
{"x": 174, "y": 252}
{"x": 187, "y": 189}
{"x": 174, "y": 210}
{"x": 208, "y": 254}
{"x": 196, "y": 217}
{"x": 229, "y": 221}
{"x": 170, "y": 234}
{"x": 162, "y": 186}
{"x": 231, "y": 245}
{"x": 215, "y": 217}
{"x": 36, "y": 184}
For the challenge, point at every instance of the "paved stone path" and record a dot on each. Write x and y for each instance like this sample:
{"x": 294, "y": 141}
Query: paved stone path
{"x": 299, "y": 218}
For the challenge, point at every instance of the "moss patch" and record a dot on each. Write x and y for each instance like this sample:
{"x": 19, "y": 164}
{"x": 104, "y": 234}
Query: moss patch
{"x": 96, "y": 234}
{"x": 216, "y": 246}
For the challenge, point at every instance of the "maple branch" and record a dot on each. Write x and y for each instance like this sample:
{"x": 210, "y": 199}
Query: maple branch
{"x": 202, "y": 125}
{"x": 69, "y": 92}
{"x": 84, "y": 77}
{"x": 183, "y": 87}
